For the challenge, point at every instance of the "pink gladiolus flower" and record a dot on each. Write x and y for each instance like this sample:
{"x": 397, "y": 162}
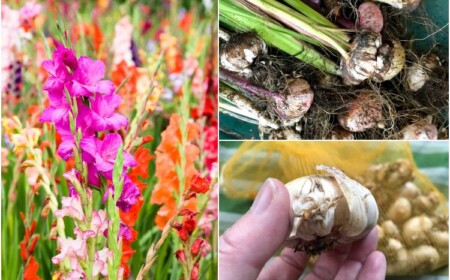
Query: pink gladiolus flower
{"x": 71, "y": 207}
{"x": 103, "y": 153}
{"x": 73, "y": 249}
{"x": 87, "y": 78}
{"x": 99, "y": 222}
{"x": 75, "y": 275}
{"x": 101, "y": 262}
{"x": 121, "y": 46}
{"x": 103, "y": 115}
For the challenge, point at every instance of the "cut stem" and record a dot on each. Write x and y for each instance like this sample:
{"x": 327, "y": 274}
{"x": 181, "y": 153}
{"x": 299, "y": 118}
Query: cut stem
{"x": 241, "y": 19}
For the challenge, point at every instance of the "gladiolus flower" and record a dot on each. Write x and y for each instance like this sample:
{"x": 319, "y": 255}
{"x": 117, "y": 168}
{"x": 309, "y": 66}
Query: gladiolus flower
{"x": 181, "y": 257}
{"x": 59, "y": 75}
{"x": 210, "y": 213}
{"x": 103, "y": 113}
{"x": 183, "y": 234}
{"x": 71, "y": 207}
{"x": 195, "y": 272}
{"x": 30, "y": 272}
{"x": 58, "y": 110}
{"x": 128, "y": 197}
{"x": 101, "y": 262}
{"x": 198, "y": 244}
{"x": 199, "y": 185}
{"x": 103, "y": 153}
{"x": 87, "y": 78}
{"x": 67, "y": 56}
{"x": 189, "y": 224}
{"x": 99, "y": 222}
{"x": 73, "y": 248}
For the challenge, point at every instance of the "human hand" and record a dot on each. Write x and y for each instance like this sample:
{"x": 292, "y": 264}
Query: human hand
{"x": 245, "y": 247}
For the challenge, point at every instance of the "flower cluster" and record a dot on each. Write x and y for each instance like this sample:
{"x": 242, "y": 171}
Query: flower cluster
{"x": 83, "y": 109}
{"x": 167, "y": 157}
{"x": 73, "y": 85}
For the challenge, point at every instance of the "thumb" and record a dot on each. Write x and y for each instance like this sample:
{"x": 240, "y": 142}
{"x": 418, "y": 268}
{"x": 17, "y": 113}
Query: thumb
{"x": 246, "y": 246}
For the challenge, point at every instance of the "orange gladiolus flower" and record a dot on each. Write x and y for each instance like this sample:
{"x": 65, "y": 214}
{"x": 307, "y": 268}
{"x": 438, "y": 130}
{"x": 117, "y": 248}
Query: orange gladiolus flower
{"x": 167, "y": 157}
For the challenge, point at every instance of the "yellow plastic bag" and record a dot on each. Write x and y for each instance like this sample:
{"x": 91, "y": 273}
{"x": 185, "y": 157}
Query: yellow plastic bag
{"x": 413, "y": 223}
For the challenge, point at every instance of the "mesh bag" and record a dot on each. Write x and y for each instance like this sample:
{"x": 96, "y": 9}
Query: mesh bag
{"x": 413, "y": 222}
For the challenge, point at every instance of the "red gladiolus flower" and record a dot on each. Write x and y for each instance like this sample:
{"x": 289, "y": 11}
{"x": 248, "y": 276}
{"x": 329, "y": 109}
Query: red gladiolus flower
{"x": 199, "y": 185}
{"x": 129, "y": 218}
{"x": 187, "y": 212}
{"x": 198, "y": 243}
{"x": 30, "y": 272}
{"x": 181, "y": 257}
{"x": 183, "y": 234}
{"x": 195, "y": 272}
{"x": 190, "y": 224}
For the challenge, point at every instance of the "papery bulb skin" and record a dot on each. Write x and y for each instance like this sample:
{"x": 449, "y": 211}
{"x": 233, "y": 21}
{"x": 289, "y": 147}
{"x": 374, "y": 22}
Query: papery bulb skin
{"x": 327, "y": 210}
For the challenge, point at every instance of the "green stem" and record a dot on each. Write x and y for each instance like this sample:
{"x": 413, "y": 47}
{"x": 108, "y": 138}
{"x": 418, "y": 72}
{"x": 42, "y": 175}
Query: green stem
{"x": 292, "y": 19}
{"x": 238, "y": 18}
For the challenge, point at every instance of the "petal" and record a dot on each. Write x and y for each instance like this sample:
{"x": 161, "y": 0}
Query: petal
{"x": 98, "y": 123}
{"x": 78, "y": 89}
{"x": 111, "y": 144}
{"x": 128, "y": 160}
{"x": 95, "y": 71}
{"x": 114, "y": 100}
{"x": 93, "y": 175}
{"x": 65, "y": 149}
{"x": 106, "y": 87}
{"x": 47, "y": 115}
{"x": 89, "y": 146}
{"x": 116, "y": 121}
{"x": 105, "y": 167}
{"x": 49, "y": 66}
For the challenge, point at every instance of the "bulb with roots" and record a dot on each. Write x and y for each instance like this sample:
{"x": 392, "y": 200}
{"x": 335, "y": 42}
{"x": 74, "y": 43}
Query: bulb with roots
{"x": 370, "y": 58}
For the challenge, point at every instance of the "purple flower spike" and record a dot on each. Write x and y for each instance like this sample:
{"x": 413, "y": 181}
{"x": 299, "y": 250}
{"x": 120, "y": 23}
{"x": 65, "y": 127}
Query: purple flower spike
{"x": 103, "y": 115}
{"x": 103, "y": 153}
{"x": 87, "y": 79}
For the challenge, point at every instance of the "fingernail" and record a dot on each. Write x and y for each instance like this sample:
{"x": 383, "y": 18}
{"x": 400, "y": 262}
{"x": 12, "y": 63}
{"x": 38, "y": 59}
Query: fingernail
{"x": 264, "y": 197}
